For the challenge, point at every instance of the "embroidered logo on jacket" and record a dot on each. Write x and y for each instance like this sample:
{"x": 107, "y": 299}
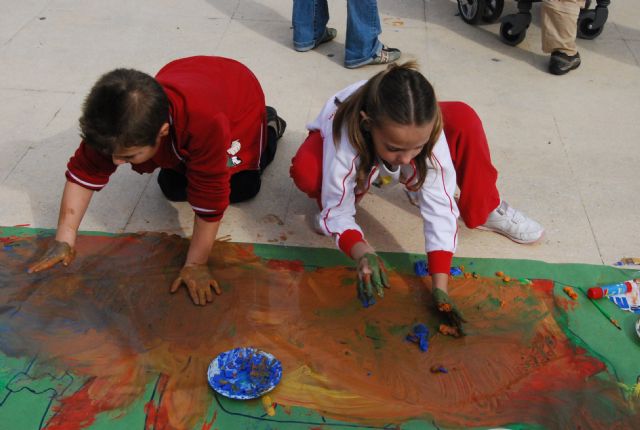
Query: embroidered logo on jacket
{"x": 233, "y": 159}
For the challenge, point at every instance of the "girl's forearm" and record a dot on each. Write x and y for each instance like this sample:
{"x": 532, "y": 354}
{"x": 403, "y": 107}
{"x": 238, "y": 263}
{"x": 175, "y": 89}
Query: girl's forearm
{"x": 440, "y": 281}
{"x": 360, "y": 249}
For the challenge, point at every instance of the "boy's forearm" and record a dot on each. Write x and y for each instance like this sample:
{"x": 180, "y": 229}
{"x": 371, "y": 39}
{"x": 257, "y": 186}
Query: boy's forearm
{"x": 204, "y": 236}
{"x": 75, "y": 200}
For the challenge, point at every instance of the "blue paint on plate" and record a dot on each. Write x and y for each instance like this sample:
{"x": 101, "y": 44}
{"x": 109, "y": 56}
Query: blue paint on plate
{"x": 244, "y": 373}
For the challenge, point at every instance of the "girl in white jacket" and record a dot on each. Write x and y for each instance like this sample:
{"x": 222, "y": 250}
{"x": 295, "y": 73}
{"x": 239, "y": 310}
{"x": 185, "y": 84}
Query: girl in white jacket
{"x": 391, "y": 129}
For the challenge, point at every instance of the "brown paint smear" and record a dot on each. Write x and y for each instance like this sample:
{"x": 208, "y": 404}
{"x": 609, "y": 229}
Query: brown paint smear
{"x": 110, "y": 318}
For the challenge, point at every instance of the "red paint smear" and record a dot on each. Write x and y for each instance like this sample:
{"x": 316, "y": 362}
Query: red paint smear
{"x": 291, "y": 266}
{"x": 543, "y": 285}
{"x": 76, "y": 411}
{"x": 9, "y": 239}
{"x": 566, "y": 304}
{"x": 157, "y": 414}
{"x": 207, "y": 426}
{"x": 22, "y": 225}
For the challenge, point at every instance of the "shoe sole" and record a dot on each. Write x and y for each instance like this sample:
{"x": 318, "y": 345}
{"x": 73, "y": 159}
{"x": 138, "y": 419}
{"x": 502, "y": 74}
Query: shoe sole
{"x": 564, "y": 72}
{"x": 521, "y": 242}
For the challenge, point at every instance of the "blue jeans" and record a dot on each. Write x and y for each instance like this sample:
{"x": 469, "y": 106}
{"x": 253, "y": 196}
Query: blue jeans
{"x": 310, "y": 19}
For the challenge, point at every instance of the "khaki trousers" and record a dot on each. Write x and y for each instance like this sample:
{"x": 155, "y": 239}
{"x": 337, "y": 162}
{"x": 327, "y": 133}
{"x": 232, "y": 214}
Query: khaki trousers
{"x": 560, "y": 25}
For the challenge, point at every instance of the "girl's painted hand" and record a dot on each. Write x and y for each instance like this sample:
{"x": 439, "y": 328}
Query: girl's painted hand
{"x": 450, "y": 312}
{"x": 56, "y": 252}
{"x": 371, "y": 274}
{"x": 199, "y": 282}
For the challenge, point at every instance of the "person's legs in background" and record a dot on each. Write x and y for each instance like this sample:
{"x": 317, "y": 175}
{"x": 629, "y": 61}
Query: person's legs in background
{"x": 479, "y": 203}
{"x": 559, "y": 25}
{"x": 309, "y": 19}
{"x": 363, "y": 28}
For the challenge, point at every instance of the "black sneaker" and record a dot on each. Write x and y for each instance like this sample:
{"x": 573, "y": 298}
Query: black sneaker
{"x": 561, "y": 63}
{"x": 275, "y": 122}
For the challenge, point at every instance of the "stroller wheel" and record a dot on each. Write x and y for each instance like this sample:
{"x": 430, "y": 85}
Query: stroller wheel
{"x": 471, "y": 11}
{"x": 586, "y": 30}
{"x": 493, "y": 10}
{"x": 508, "y": 37}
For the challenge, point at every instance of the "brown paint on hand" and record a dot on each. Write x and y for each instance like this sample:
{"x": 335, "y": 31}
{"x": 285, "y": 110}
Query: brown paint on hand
{"x": 445, "y": 307}
{"x": 110, "y": 319}
{"x": 448, "y": 330}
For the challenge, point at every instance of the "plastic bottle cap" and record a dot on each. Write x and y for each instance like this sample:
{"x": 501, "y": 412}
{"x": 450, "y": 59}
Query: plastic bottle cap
{"x": 595, "y": 293}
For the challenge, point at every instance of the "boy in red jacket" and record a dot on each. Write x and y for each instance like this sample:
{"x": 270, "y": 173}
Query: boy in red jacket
{"x": 202, "y": 120}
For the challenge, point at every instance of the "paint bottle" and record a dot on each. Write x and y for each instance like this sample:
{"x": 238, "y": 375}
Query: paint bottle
{"x": 612, "y": 289}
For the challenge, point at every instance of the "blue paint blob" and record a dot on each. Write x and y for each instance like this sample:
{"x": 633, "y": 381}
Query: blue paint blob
{"x": 420, "y": 329}
{"x": 420, "y": 336}
{"x": 455, "y": 271}
{"x": 244, "y": 373}
{"x": 420, "y": 267}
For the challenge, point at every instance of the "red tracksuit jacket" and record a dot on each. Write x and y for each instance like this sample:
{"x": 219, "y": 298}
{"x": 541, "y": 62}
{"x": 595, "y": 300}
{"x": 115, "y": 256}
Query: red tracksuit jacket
{"x": 217, "y": 128}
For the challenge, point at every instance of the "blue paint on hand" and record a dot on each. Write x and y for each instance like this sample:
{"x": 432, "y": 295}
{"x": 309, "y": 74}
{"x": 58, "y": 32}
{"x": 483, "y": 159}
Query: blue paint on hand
{"x": 366, "y": 302}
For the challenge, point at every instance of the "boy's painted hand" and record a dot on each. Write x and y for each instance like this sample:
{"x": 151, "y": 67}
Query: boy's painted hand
{"x": 56, "y": 252}
{"x": 371, "y": 274}
{"x": 199, "y": 282}
{"x": 449, "y": 311}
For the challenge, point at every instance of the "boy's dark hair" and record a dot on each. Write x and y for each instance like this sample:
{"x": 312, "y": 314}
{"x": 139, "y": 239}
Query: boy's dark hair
{"x": 400, "y": 94}
{"x": 125, "y": 108}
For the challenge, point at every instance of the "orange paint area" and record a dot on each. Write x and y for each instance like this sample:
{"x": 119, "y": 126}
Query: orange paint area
{"x": 109, "y": 317}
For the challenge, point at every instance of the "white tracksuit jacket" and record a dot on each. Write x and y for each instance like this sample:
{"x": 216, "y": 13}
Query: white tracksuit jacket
{"x": 340, "y": 163}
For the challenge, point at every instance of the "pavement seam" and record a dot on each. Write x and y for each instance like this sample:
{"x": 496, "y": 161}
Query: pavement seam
{"x": 133, "y": 211}
{"x": 584, "y": 208}
{"x": 29, "y": 21}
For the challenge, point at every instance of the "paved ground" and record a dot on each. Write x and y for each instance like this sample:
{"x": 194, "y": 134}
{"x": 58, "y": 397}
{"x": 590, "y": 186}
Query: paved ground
{"x": 567, "y": 148}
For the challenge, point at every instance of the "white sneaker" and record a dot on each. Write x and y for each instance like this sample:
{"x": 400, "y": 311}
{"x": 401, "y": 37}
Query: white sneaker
{"x": 513, "y": 224}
